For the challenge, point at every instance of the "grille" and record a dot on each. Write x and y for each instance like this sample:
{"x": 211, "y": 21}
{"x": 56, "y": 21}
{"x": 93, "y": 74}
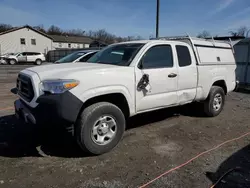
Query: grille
{"x": 24, "y": 87}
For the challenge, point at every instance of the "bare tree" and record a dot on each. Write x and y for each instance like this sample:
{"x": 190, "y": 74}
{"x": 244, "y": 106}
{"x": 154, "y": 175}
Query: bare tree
{"x": 131, "y": 38}
{"x": 242, "y": 31}
{"x": 5, "y": 27}
{"x": 204, "y": 34}
{"x": 151, "y": 36}
{"x": 102, "y": 35}
{"x": 40, "y": 28}
{"x": 75, "y": 32}
{"x": 54, "y": 30}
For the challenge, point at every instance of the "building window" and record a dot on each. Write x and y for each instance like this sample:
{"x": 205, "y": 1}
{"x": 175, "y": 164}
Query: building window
{"x": 22, "y": 41}
{"x": 69, "y": 45}
{"x": 78, "y": 45}
{"x": 60, "y": 45}
{"x": 33, "y": 41}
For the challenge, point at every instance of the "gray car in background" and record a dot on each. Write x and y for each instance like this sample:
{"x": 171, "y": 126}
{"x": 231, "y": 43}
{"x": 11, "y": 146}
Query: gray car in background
{"x": 79, "y": 56}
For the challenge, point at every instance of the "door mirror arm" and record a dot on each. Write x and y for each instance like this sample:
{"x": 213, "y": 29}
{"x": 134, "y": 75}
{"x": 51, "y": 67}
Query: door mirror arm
{"x": 140, "y": 66}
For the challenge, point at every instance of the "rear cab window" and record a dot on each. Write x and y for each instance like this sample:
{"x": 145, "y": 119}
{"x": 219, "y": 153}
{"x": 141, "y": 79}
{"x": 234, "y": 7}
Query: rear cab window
{"x": 183, "y": 54}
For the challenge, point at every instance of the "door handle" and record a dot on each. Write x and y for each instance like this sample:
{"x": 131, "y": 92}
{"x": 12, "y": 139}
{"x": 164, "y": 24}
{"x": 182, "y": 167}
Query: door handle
{"x": 172, "y": 75}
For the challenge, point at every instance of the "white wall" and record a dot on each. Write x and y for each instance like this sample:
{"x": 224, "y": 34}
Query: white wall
{"x": 10, "y": 42}
{"x": 73, "y": 45}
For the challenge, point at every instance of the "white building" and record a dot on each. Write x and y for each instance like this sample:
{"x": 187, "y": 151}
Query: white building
{"x": 25, "y": 39}
{"x": 28, "y": 39}
{"x": 60, "y": 42}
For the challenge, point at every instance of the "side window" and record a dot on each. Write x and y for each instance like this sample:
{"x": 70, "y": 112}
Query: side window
{"x": 184, "y": 57}
{"x": 22, "y": 41}
{"x": 160, "y": 56}
{"x": 86, "y": 58}
{"x": 29, "y": 53}
{"x": 33, "y": 41}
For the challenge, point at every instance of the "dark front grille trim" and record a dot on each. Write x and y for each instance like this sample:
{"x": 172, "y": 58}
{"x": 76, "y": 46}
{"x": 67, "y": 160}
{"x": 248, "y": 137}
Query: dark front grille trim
{"x": 24, "y": 87}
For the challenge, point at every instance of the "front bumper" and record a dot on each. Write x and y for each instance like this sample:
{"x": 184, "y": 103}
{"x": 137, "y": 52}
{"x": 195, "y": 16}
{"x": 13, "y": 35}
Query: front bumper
{"x": 59, "y": 108}
{"x": 22, "y": 112}
{"x": 3, "y": 61}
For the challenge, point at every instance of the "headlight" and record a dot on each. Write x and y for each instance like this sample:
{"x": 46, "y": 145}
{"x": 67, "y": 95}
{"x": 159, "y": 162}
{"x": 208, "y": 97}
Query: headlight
{"x": 57, "y": 86}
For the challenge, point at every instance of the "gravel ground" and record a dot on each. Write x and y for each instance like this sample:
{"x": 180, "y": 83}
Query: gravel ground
{"x": 153, "y": 143}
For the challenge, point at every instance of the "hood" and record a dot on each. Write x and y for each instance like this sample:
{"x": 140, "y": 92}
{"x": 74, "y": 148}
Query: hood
{"x": 10, "y": 56}
{"x": 63, "y": 70}
{"x": 57, "y": 62}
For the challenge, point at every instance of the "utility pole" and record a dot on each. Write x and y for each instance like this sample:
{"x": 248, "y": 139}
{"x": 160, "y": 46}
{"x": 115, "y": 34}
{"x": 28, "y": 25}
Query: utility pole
{"x": 157, "y": 18}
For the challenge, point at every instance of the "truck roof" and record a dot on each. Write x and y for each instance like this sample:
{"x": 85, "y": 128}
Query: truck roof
{"x": 195, "y": 41}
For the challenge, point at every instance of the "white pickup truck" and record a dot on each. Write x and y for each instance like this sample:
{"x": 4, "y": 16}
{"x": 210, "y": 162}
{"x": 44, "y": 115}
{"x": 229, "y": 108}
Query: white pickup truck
{"x": 124, "y": 80}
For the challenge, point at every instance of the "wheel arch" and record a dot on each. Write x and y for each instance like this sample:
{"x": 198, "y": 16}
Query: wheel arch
{"x": 117, "y": 95}
{"x": 221, "y": 83}
{"x": 117, "y": 99}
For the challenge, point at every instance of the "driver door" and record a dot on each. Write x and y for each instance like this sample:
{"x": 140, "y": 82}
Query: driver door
{"x": 22, "y": 57}
{"x": 158, "y": 65}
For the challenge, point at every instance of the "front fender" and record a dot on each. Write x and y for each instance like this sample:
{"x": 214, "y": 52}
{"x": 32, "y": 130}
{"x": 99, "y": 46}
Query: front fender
{"x": 95, "y": 92}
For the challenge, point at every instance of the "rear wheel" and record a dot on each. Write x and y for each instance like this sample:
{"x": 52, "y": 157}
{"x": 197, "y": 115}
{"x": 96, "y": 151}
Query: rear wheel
{"x": 12, "y": 61}
{"x": 215, "y": 101}
{"x": 38, "y": 62}
{"x": 99, "y": 128}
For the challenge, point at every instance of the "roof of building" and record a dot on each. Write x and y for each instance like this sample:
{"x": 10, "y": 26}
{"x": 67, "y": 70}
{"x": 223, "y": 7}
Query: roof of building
{"x": 28, "y": 27}
{"x": 71, "y": 39}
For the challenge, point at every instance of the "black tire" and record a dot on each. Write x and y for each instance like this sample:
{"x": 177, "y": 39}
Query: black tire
{"x": 12, "y": 61}
{"x": 86, "y": 121}
{"x": 209, "y": 108}
{"x": 38, "y": 62}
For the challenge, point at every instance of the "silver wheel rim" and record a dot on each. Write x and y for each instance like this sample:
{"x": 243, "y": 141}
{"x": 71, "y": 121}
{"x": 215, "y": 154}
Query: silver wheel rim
{"x": 217, "y": 103}
{"x": 104, "y": 130}
{"x": 38, "y": 62}
{"x": 12, "y": 62}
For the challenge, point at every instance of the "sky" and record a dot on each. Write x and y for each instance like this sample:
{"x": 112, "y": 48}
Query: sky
{"x": 130, "y": 17}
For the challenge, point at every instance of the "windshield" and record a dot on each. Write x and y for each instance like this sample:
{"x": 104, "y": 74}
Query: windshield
{"x": 71, "y": 57}
{"x": 120, "y": 54}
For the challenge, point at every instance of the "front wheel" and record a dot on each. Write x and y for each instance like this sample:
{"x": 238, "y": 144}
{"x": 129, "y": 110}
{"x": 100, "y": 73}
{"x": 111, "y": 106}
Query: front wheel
{"x": 12, "y": 61}
{"x": 215, "y": 101}
{"x": 99, "y": 128}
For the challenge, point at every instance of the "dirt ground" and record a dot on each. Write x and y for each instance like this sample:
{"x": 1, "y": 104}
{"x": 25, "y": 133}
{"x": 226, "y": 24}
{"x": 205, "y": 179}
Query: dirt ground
{"x": 153, "y": 143}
